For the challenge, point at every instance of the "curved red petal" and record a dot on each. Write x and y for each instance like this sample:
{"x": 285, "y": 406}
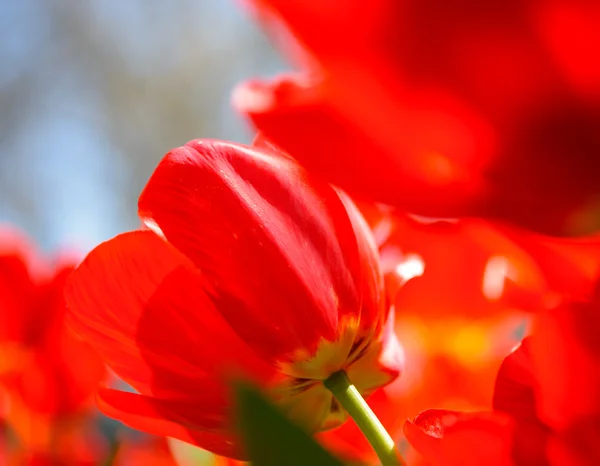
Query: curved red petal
{"x": 450, "y": 438}
{"x": 496, "y": 268}
{"x": 490, "y": 272}
{"x": 59, "y": 378}
{"x": 382, "y": 360}
{"x": 515, "y": 389}
{"x": 569, "y": 266}
{"x": 276, "y": 250}
{"x": 155, "y": 416}
{"x": 566, "y": 362}
{"x": 107, "y": 295}
{"x": 140, "y": 303}
{"x": 262, "y": 142}
{"x": 294, "y": 114}
{"x": 22, "y": 274}
{"x": 373, "y": 310}
{"x": 486, "y": 104}
{"x": 372, "y": 314}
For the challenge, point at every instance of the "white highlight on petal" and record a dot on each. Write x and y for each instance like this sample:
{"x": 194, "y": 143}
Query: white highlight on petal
{"x": 390, "y": 257}
{"x": 382, "y": 231}
{"x": 153, "y": 227}
{"x": 411, "y": 266}
{"x": 497, "y": 269}
{"x": 252, "y": 97}
{"x": 429, "y": 220}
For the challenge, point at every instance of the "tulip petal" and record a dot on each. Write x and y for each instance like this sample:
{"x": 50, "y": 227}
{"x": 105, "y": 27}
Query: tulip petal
{"x": 569, "y": 266}
{"x": 487, "y": 110}
{"x": 154, "y": 416}
{"x": 277, "y": 252}
{"x": 294, "y": 115}
{"x": 566, "y": 362}
{"x": 372, "y": 312}
{"x": 514, "y": 392}
{"x": 450, "y": 438}
{"x": 497, "y": 267}
{"x": 21, "y": 272}
{"x": 140, "y": 302}
{"x": 379, "y": 362}
{"x": 491, "y": 272}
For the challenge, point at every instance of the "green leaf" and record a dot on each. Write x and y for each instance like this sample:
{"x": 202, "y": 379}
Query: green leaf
{"x": 271, "y": 439}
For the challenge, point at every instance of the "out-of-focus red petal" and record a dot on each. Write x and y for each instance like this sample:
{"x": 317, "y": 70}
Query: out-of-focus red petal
{"x": 496, "y": 267}
{"x": 275, "y": 249}
{"x": 566, "y": 362}
{"x": 292, "y": 113}
{"x": 569, "y": 266}
{"x": 150, "y": 451}
{"x": 140, "y": 302}
{"x": 450, "y": 438}
{"x": 488, "y": 105}
{"x": 515, "y": 388}
{"x": 337, "y": 25}
{"x": 262, "y": 142}
{"x": 569, "y": 32}
{"x": 21, "y": 272}
{"x": 489, "y": 272}
{"x": 42, "y": 366}
{"x": 577, "y": 445}
{"x": 515, "y": 394}
{"x": 156, "y": 416}
{"x": 58, "y": 380}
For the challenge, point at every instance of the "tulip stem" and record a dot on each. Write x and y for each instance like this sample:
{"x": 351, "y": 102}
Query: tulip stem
{"x": 353, "y": 402}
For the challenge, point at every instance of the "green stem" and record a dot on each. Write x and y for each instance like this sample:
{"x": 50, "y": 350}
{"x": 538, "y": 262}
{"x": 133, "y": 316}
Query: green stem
{"x": 353, "y": 402}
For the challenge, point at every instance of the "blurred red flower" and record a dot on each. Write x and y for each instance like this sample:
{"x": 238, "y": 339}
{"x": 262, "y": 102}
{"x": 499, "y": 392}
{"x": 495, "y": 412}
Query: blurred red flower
{"x": 249, "y": 268}
{"x": 547, "y": 410}
{"x": 151, "y": 451}
{"x": 446, "y": 109}
{"x": 47, "y": 375}
{"x": 466, "y": 290}
{"x": 478, "y": 268}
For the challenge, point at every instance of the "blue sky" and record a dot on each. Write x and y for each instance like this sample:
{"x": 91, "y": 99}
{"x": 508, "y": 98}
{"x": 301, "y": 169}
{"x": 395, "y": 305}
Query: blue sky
{"x": 56, "y": 152}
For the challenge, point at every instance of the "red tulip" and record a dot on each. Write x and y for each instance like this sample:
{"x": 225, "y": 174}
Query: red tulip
{"x": 495, "y": 268}
{"x": 29, "y": 303}
{"x": 250, "y": 269}
{"x": 443, "y": 108}
{"x": 547, "y": 409}
{"x": 47, "y": 376}
{"x": 462, "y": 286}
{"x": 52, "y": 373}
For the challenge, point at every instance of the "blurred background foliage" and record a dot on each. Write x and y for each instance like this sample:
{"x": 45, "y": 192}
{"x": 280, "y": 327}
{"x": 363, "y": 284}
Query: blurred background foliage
{"x": 94, "y": 92}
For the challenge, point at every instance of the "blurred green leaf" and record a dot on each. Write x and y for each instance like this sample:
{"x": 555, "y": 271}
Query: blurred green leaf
{"x": 271, "y": 439}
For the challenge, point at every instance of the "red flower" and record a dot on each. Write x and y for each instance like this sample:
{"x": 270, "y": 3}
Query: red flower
{"x": 249, "y": 269}
{"x": 42, "y": 364}
{"x": 47, "y": 376}
{"x": 495, "y": 268}
{"x": 444, "y": 108}
{"x": 547, "y": 409}
{"x": 463, "y": 287}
